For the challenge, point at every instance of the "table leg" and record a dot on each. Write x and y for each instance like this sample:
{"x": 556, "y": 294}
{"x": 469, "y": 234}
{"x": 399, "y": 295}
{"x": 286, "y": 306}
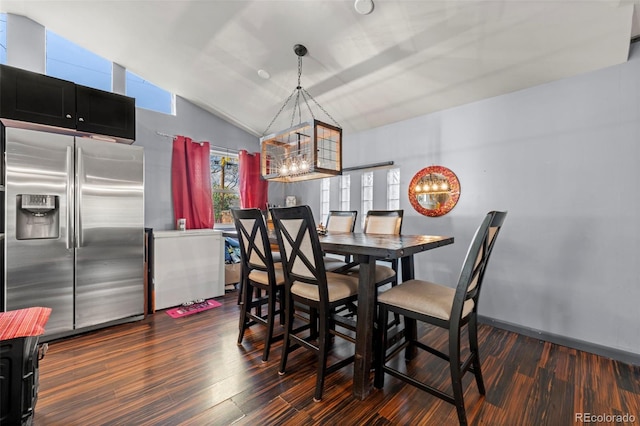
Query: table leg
{"x": 410, "y": 325}
{"x": 364, "y": 327}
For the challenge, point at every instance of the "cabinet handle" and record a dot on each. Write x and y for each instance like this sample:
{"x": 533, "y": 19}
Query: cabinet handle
{"x": 80, "y": 119}
{"x": 68, "y": 115}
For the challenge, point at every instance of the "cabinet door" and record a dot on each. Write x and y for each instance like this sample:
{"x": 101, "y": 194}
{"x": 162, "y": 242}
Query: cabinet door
{"x": 36, "y": 98}
{"x": 105, "y": 113}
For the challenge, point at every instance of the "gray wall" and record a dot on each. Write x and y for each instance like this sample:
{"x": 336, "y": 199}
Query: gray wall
{"x": 562, "y": 159}
{"x": 26, "y": 49}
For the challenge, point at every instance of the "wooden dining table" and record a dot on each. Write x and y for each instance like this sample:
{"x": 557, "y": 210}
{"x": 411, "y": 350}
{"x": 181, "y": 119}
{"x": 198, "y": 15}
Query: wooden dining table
{"x": 366, "y": 250}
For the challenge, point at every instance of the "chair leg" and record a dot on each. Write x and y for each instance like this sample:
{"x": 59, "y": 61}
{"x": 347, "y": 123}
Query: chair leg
{"x": 381, "y": 347}
{"x": 313, "y": 323}
{"x": 456, "y": 374}
{"x": 281, "y": 303}
{"x": 323, "y": 351}
{"x": 241, "y": 288}
{"x": 288, "y": 327}
{"x": 271, "y": 309}
{"x": 258, "y": 308}
{"x": 411, "y": 335}
{"x": 245, "y": 306}
{"x": 472, "y": 329}
{"x": 396, "y": 316}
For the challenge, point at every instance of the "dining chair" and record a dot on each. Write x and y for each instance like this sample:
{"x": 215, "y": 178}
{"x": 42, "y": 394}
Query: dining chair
{"x": 445, "y": 307}
{"x": 388, "y": 222}
{"x": 308, "y": 283}
{"x": 259, "y": 273}
{"x": 339, "y": 221}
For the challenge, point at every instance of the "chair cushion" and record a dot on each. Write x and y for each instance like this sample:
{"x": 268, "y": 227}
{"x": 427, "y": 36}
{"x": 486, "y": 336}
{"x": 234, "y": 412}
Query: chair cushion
{"x": 383, "y": 273}
{"x": 263, "y": 278}
{"x": 340, "y": 286}
{"x": 424, "y": 297}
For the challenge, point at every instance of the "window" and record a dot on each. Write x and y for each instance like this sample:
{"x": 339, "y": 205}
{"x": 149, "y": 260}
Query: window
{"x": 367, "y": 195}
{"x": 393, "y": 189}
{"x": 3, "y": 38}
{"x": 324, "y": 199}
{"x": 69, "y": 61}
{"x": 224, "y": 185}
{"x": 345, "y": 192}
{"x": 148, "y": 95}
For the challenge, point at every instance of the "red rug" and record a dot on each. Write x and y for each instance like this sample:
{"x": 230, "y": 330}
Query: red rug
{"x": 192, "y": 308}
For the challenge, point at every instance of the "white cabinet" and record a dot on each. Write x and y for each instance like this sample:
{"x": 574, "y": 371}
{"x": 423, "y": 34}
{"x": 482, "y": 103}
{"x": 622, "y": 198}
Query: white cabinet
{"x": 187, "y": 265}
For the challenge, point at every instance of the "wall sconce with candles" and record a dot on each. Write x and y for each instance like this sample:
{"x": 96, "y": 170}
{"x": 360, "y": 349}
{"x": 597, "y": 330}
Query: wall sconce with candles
{"x": 308, "y": 150}
{"x": 434, "y": 191}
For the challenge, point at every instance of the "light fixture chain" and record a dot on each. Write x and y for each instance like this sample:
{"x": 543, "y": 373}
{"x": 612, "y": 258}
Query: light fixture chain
{"x": 279, "y": 112}
{"x": 306, "y": 101}
{"x": 320, "y": 106}
{"x": 296, "y": 106}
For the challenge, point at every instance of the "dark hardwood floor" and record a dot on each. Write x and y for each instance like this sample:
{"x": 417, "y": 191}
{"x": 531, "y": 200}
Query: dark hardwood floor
{"x": 190, "y": 371}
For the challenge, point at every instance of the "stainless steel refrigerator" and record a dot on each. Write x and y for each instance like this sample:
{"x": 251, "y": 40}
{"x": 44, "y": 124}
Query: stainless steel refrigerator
{"x": 74, "y": 228}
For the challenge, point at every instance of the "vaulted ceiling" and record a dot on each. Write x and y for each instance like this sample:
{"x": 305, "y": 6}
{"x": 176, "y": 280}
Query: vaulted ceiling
{"x": 406, "y": 58}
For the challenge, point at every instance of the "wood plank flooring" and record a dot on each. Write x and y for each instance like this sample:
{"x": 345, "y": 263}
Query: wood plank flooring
{"x": 190, "y": 371}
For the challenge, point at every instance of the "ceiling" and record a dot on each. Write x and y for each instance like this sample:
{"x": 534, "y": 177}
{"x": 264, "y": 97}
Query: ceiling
{"x": 405, "y": 59}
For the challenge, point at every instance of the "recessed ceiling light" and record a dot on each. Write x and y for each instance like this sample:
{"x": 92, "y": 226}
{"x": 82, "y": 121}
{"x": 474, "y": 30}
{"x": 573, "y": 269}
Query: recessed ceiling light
{"x": 363, "y": 7}
{"x": 264, "y": 74}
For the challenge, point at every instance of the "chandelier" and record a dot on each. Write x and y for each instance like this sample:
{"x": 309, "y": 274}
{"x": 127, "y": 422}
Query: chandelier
{"x": 307, "y": 150}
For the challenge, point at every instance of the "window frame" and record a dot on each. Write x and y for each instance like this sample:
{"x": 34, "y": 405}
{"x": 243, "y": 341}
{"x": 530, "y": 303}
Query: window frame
{"x": 366, "y": 181}
{"x": 85, "y": 72}
{"x": 3, "y": 38}
{"x": 325, "y": 191}
{"x": 393, "y": 185}
{"x": 142, "y": 101}
{"x": 220, "y": 218}
{"x": 344, "y": 196}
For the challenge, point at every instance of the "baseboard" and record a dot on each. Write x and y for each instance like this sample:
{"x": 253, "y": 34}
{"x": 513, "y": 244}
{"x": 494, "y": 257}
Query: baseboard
{"x": 616, "y": 354}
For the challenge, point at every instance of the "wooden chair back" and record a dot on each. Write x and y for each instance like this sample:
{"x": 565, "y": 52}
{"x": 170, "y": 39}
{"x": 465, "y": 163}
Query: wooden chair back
{"x": 383, "y": 222}
{"x": 341, "y": 220}
{"x": 475, "y": 263}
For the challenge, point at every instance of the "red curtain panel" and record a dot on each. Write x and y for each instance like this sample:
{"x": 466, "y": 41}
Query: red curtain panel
{"x": 253, "y": 189}
{"x": 191, "y": 183}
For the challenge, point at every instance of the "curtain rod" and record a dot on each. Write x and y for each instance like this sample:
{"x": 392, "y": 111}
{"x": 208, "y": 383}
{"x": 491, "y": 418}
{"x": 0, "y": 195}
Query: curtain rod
{"x": 368, "y": 166}
{"x": 215, "y": 147}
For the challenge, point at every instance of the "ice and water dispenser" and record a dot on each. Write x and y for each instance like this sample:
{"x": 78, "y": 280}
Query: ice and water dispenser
{"x": 37, "y": 216}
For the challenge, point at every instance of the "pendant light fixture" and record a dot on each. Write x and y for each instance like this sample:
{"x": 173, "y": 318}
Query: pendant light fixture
{"x": 307, "y": 150}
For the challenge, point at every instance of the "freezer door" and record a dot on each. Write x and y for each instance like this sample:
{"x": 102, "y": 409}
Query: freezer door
{"x": 39, "y": 211}
{"x": 109, "y": 232}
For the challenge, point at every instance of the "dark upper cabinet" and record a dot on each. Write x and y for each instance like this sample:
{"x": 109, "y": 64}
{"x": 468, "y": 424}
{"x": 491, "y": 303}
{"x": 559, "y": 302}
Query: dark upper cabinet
{"x": 36, "y": 98}
{"x": 105, "y": 113}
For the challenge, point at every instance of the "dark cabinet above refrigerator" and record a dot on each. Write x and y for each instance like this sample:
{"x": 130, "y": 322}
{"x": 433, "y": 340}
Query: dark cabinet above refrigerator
{"x": 30, "y": 97}
{"x": 105, "y": 113}
{"x": 37, "y": 98}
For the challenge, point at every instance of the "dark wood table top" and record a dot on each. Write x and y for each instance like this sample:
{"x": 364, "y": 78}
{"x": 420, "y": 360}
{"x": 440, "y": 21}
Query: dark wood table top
{"x": 380, "y": 246}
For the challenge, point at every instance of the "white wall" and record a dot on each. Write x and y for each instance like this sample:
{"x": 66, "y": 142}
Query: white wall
{"x": 562, "y": 159}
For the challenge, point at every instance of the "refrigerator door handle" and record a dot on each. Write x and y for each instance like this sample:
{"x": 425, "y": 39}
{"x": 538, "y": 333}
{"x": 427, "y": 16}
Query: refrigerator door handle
{"x": 79, "y": 195}
{"x": 69, "y": 197}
